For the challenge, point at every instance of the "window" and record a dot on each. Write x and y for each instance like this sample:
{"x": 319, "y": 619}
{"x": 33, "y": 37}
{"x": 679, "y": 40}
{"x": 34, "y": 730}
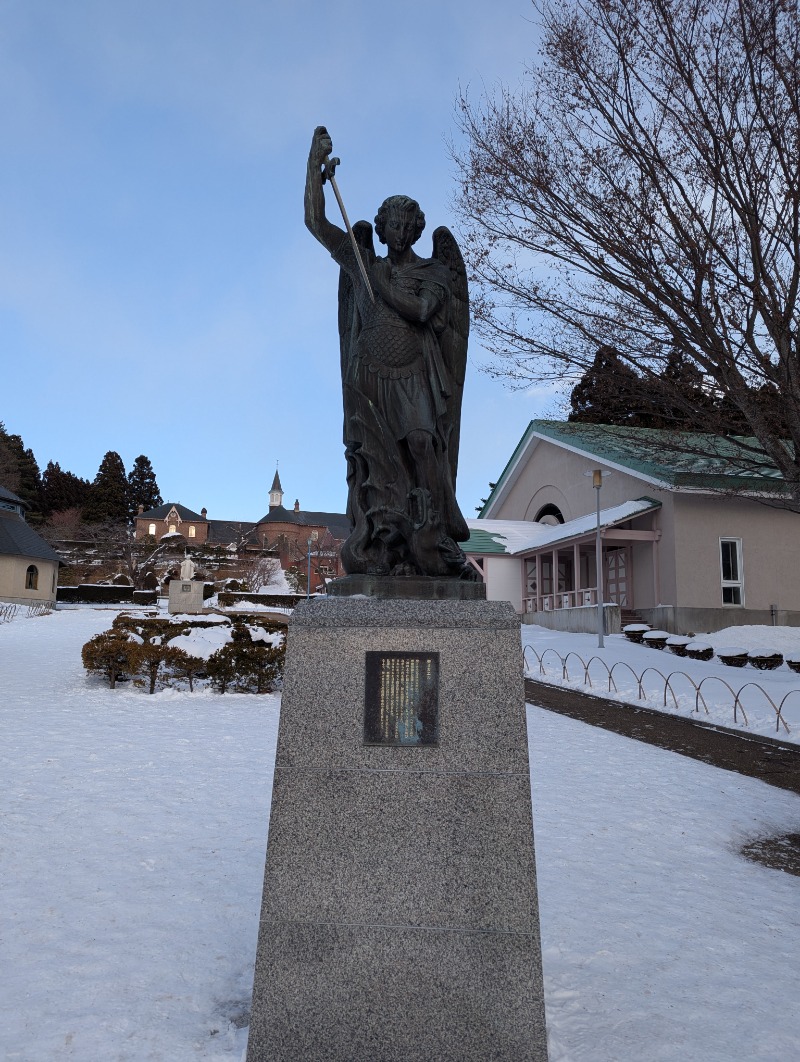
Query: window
{"x": 32, "y": 578}
{"x": 730, "y": 557}
{"x": 151, "y": 530}
{"x": 191, "y": 531}
{"x": 549, "y": 514}
{"x": 172, "y": 529}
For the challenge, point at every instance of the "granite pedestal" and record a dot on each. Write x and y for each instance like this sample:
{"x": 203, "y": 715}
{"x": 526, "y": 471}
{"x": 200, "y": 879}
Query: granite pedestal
{"x": 399, "y": 919}
{"x": 185, "y": 595}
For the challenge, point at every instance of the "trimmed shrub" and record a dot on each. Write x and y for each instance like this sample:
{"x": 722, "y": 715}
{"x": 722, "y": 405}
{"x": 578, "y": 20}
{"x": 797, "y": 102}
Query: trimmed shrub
{"x": 149, "y": 659}
{"x": 793, "y": 663}
{"x": 699, "y": 650}
{"x": 185, "y": 666}
{"x": 111, "y": 655}
{"x": 677, "y": 644}
{"x": 655, "y": 639}
{"x": 733, "y": 656}
{"x": 247, "y": 667}
{"x": 150, "y": 629}
{"x": 635, "y": 631}
{"x": 764, "y": 660}
{"x": 95, "y": 594}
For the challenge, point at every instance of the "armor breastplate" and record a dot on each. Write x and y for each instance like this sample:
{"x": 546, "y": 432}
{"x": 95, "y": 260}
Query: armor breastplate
{"x": 390, "y": 345}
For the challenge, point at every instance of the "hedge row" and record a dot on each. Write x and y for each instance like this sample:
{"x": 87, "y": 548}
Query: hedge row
{"x": 139, "y": 648}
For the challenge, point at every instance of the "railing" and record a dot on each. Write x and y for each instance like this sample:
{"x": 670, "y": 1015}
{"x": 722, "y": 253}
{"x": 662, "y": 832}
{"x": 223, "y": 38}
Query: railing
{"x": 563, "y": 599}
{"x": 579, "y": 662}
{"x": 41, "y": 608}
{"x": 8, "y": 612}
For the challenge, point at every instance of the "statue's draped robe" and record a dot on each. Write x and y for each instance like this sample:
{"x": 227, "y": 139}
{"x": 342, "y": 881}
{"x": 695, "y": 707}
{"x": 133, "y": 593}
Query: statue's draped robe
{"x": 394, "y": 381}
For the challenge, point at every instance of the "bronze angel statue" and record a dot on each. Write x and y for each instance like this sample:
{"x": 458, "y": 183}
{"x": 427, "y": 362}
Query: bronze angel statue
{"x": 403, "y": 327}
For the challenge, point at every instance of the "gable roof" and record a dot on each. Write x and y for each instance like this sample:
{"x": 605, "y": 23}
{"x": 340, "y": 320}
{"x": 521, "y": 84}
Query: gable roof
{"x": 672, "y": 460}
{"x": 223, "y": 532}
{"x": 161, "y": 512}
{"x": 515, "y": 537}
{"x": 18, "y": 539}
{"x": 7, "y": 495}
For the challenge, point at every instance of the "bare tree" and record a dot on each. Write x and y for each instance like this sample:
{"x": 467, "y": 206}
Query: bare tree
{"x": 641, "y": 189}
{"x": 102, "y": 549}
{"x": 260, "y": 571}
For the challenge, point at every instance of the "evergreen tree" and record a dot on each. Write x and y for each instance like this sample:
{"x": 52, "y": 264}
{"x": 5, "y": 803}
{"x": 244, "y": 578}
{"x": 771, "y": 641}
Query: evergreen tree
{"x": 9, "y": 470}
{"x": 609, "y": 392}
{"x": 22, "y": 468}
{"x": 63, "y": 490}
{"x": 679, "y": 399}
{"x": 142, "y": 487}
{"x": 108, "y": 496}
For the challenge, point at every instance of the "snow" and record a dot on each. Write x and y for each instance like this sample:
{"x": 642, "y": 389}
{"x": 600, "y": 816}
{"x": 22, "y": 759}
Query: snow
{"x": 203, "y": 641}
{"x": 522, "y": 535}
{"x": 719, "y": 683}
{"x": 133, "y": 844}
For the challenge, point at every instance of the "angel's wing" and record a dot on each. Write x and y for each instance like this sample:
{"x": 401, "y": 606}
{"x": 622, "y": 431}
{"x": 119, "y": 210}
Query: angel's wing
{"x": 349, "y": 318}
{"x": 456, "y": 333}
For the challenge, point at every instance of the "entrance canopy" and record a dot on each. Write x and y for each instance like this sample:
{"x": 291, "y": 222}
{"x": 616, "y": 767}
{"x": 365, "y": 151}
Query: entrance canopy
{"x": 557, "y": 561}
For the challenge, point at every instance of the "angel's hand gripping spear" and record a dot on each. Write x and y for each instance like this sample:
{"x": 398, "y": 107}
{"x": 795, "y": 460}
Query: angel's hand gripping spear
{"x": 321, "y": 168}
{"x": 329, "y": 174}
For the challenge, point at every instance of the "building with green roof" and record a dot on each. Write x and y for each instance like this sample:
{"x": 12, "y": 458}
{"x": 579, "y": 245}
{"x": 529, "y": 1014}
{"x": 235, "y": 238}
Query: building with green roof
{"x": 696, "y": 532}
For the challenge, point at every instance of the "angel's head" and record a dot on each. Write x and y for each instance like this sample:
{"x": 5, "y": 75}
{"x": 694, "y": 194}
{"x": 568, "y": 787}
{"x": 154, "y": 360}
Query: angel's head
{"x": 399, "y": 221}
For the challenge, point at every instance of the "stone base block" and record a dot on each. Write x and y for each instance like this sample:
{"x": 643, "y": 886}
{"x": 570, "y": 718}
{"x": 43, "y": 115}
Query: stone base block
{"x": 399, "y": 920}
{"x": 382, "y": 994}
{"x": 406, "y": 587}
{"x": 186, "y": 595}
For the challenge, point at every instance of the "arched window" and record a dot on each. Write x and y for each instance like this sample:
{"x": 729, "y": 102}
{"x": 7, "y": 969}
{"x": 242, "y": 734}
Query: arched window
{"x": 151, "y": 530}
{"x": 32, "y": 578}
{"x": 191, "y": 531}
{"x": 549, "y": 514}
{"x": 172, "y": 529}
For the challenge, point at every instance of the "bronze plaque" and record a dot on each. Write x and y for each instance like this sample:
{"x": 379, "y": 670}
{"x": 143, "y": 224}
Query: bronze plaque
{"x": 401, "y": 705}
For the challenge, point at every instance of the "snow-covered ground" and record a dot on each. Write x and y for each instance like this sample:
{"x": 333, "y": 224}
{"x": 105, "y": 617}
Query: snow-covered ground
{"x": 133, "y": 837}
{"x": 719, "y": 683}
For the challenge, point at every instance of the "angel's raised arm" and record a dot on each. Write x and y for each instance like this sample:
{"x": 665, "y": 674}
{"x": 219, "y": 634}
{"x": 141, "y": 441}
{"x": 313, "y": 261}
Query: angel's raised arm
{"x": 328, "y": 234}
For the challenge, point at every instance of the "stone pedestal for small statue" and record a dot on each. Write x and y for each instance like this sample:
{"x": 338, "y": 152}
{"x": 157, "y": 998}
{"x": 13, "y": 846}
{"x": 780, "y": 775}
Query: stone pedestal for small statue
{"x": 185, "y": 595}
{"x": 399, "y": 920}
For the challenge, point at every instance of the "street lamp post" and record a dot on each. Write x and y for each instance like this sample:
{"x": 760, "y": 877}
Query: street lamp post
{"x": 597, "y": 483}
{"x": 308, "y": 577}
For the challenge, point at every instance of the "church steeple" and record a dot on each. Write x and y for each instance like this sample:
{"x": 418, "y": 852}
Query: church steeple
{"x": 276, "y": 492}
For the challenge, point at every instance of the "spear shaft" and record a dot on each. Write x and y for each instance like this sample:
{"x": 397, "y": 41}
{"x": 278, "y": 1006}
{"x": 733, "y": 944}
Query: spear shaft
{"x": 328, "y": 172}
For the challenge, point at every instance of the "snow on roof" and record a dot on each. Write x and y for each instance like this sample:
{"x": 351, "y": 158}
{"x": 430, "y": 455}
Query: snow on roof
{"x": 513, "y": 537}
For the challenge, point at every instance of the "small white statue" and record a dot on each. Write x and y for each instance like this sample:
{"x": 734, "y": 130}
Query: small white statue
{"x": 187, "y": 569}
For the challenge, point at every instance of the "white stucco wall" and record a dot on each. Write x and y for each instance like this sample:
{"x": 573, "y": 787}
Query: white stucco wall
{"x": 555, "y": 476}
{"x": 770, "y": 551}
{"x": 503, "y": 579}
{"x": 12, "y": 579}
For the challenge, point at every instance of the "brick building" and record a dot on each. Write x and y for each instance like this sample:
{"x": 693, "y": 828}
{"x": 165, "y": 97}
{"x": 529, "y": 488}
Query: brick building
{"x": 283, "y": 532}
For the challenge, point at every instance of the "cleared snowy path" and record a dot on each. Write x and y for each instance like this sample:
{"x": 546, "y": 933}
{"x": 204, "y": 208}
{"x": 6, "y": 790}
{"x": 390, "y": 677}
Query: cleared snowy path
{"x": 132, "y": 852}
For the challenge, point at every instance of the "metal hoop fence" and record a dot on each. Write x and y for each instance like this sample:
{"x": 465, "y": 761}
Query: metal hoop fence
{"x": 667, "y": 680}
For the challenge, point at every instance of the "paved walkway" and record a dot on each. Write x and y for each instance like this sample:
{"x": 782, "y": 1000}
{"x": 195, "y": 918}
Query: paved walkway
{"x": 765, "y": 758}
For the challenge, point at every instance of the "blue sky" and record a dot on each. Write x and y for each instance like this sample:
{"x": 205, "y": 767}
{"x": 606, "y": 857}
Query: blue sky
{"x": 159, "y": 292}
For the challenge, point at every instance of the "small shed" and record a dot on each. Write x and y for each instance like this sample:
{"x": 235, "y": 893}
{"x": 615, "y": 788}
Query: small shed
{"x": 28, "y": 565}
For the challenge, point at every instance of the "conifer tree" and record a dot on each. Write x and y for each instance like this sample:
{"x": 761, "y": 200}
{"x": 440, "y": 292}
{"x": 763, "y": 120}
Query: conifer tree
{"x": 609, "y": 392}
{"x": 22, "y": 470}
{"x": 63, "y": 490}
{"x": 142, "y": 487}
{"x": 108, "y": 496}
{"x": 9, "y": 470}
